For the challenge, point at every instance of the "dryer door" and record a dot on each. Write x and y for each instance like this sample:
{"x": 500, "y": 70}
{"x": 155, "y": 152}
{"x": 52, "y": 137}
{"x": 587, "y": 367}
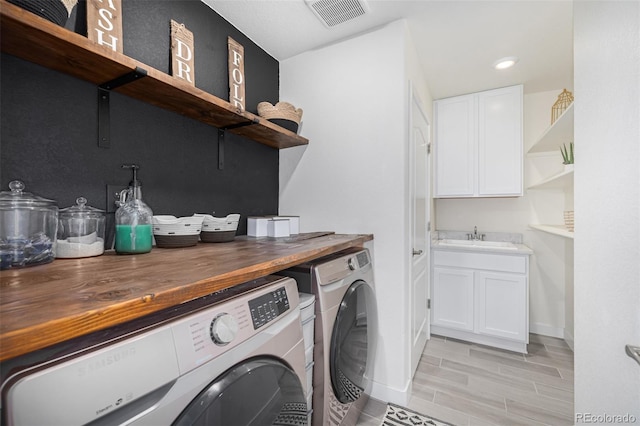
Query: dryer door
{"x": 353, "y": 343}
{"x": 259, "y": 391}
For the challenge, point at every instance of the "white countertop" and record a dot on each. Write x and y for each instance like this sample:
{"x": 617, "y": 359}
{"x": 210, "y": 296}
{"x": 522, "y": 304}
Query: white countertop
{"x": 518, "y": 249}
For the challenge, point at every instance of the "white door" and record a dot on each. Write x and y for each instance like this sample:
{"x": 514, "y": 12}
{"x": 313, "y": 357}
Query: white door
{"x": 420, "y": 223}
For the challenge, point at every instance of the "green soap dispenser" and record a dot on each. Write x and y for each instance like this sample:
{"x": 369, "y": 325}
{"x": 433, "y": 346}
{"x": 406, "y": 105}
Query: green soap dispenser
{"x": 134, "y": 234}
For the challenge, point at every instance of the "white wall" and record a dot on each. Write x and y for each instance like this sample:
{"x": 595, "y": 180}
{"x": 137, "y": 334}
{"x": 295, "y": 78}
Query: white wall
{"x": 547, "y": 265}
{"x": 607, "y": 203}
{"x": 352, "y": 177}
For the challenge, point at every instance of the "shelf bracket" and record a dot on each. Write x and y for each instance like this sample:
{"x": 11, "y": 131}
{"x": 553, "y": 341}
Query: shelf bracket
{"x": 104, "y": 115}
{"x": 221, "y": 134}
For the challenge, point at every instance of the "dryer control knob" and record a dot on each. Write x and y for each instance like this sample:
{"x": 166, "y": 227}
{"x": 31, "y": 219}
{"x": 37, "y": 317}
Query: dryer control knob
{"x": 352, "y": 263}
{"x": 223, "y": 329}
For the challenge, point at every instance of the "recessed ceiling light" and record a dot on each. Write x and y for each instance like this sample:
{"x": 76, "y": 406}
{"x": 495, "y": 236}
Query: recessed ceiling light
{"x": 504, "y": 63}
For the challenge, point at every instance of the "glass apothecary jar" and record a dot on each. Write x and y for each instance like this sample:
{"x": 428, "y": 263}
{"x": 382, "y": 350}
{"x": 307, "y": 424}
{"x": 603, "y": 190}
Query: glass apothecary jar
{"x": 80, "y": 231}
{"x": 28, "y": 228}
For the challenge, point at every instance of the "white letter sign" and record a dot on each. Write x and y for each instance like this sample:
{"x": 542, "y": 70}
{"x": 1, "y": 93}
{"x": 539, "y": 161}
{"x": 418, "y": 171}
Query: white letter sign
{"x": 104, "y": 23}
{"x": 236, "y": 74}
{"x": 182, "y": 57}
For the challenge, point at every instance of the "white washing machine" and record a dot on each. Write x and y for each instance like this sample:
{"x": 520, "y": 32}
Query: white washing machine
{"x": 345, "y": 333}
{"x": 236, "y": 362}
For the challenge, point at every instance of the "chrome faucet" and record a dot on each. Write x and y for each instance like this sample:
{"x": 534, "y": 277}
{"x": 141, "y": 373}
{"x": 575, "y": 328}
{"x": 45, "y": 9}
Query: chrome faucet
{"x": 475, "y": 236}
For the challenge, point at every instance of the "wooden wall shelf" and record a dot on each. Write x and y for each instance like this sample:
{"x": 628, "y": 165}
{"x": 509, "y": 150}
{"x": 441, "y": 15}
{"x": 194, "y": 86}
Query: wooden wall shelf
{"x": 37, "y": 40}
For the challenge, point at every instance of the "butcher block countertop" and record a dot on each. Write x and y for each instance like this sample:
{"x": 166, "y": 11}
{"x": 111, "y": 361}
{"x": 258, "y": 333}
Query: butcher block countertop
{"x": 48, "y": 304}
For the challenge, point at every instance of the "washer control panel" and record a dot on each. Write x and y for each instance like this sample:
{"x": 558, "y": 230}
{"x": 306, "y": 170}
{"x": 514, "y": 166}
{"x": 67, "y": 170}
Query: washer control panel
{"x": 268, "y": 307}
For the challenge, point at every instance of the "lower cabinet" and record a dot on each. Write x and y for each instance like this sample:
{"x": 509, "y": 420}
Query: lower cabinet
{"x": 481, "y": 298}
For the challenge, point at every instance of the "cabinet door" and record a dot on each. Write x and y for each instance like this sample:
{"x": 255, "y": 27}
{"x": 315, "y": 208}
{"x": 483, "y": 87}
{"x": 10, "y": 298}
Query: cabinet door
{"x": 455, "y": 146}
{"x": 502, "y": 305}
{"x": 500, "y": 142}
{"x": 452, "y": 298}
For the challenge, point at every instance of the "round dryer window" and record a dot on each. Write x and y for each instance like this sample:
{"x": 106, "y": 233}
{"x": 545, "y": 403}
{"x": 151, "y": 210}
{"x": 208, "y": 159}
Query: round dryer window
{"x": 258, "y": 392}
{"x": 352, "y": 345}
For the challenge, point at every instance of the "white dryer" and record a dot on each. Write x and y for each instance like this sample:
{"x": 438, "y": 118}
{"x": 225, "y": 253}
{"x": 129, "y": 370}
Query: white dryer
{"x": 236, "y": 362}
{"x": 345, "y": 333}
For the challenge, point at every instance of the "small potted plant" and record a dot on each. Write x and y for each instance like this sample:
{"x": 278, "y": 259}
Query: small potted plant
{"x": 567, "y": 156}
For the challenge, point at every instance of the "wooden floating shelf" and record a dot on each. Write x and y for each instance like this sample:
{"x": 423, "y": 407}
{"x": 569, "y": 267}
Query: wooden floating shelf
{"x": 553, "y": 229}
{"x": 34, "y": 39}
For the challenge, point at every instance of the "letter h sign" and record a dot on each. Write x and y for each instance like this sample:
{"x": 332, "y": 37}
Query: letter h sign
{"x": 104, "y": 23}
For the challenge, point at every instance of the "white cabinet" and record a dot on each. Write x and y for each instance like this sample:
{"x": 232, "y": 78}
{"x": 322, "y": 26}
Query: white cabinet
{"x": 453, "y": 289}
{"x": 479, "y": 144}
{"x": 500, "y": 301}
{"x": 481, "y": 297}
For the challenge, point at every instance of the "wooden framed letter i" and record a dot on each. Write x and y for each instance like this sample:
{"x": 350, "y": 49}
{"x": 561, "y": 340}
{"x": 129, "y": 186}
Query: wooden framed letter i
{"x": 182, "y": 53}
{"x": 104, "y": 23}
{"x": 236, "y": 74}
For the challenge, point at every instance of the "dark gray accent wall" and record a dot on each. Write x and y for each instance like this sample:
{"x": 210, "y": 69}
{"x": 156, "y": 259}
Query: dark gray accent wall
{"x": 49, "y": 128}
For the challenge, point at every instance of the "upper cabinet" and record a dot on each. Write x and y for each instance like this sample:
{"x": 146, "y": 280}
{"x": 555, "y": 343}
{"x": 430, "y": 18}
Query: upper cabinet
{"x": 37, "y": 40}
{"x": 478, "y": 140}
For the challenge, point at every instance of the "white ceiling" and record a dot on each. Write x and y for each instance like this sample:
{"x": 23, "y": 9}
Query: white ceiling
{"x": 457, "y": 41}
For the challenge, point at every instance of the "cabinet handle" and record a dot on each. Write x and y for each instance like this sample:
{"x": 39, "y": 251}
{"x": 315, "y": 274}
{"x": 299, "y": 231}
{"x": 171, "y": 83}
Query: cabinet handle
{"x": 417, "y": 252}
{"x": 633, "y": 352}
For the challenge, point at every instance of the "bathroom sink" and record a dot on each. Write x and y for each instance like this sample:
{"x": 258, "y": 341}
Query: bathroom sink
{"x": 478, "y": 243}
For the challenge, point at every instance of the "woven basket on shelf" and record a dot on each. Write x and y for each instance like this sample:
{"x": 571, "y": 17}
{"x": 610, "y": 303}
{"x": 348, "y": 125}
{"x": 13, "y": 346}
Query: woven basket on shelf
{"x": 568, "y": 220}
{"x": 56, "y": 11}
{"x": 281, "y": 110}
{"x": 283, "y": 114}
{"x": 564, "y": 100}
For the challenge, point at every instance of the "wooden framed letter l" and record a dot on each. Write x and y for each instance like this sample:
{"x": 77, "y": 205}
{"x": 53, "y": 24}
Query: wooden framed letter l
{"x": 236, "y": 74}
{"x": 104, "y": 23}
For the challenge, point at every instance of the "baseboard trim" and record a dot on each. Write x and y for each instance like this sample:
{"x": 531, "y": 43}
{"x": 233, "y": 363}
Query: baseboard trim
{"x": 568, "y": 337}
{"x": 383, "y": 392}
{"x": 547, "y": 330}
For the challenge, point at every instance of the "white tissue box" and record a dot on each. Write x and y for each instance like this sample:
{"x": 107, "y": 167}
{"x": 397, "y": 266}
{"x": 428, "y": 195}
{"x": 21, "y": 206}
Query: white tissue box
{"x": 257, "y": 226}
{"x": 277, "y": 227}
{"x": 294, "y": 223}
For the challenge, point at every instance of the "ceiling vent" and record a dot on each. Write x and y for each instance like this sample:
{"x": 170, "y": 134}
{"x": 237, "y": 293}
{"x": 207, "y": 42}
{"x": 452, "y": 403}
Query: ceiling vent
{"x": 334, "y": 12}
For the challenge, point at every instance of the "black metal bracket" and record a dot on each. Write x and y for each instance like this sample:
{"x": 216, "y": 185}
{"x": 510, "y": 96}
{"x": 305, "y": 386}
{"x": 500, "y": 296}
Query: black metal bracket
{"x": 104, "y": 115}
{"x": 221, "y": 133}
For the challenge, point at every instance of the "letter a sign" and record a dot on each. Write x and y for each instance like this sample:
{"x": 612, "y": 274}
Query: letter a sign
{"x": 182, "y": 53}
{"x": 104, "y": 23}
{"x": 236, "y": 74}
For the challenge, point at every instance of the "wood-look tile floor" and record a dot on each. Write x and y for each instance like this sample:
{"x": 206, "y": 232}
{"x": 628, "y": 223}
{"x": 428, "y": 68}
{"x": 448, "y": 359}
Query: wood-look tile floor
{"x": 466, "y": 384}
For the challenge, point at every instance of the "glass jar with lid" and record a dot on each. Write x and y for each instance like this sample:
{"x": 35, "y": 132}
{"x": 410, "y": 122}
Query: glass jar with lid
{"x": 28, "y": 228}
{"x": 80, "y": 231}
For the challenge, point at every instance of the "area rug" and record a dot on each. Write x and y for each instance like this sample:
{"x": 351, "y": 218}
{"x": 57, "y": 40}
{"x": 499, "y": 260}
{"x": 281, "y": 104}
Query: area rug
{"x": 400, "y": 416}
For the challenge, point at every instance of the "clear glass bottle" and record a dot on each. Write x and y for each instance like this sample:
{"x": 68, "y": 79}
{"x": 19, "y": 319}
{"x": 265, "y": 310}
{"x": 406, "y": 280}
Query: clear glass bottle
{"x": 134, "y": 233}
